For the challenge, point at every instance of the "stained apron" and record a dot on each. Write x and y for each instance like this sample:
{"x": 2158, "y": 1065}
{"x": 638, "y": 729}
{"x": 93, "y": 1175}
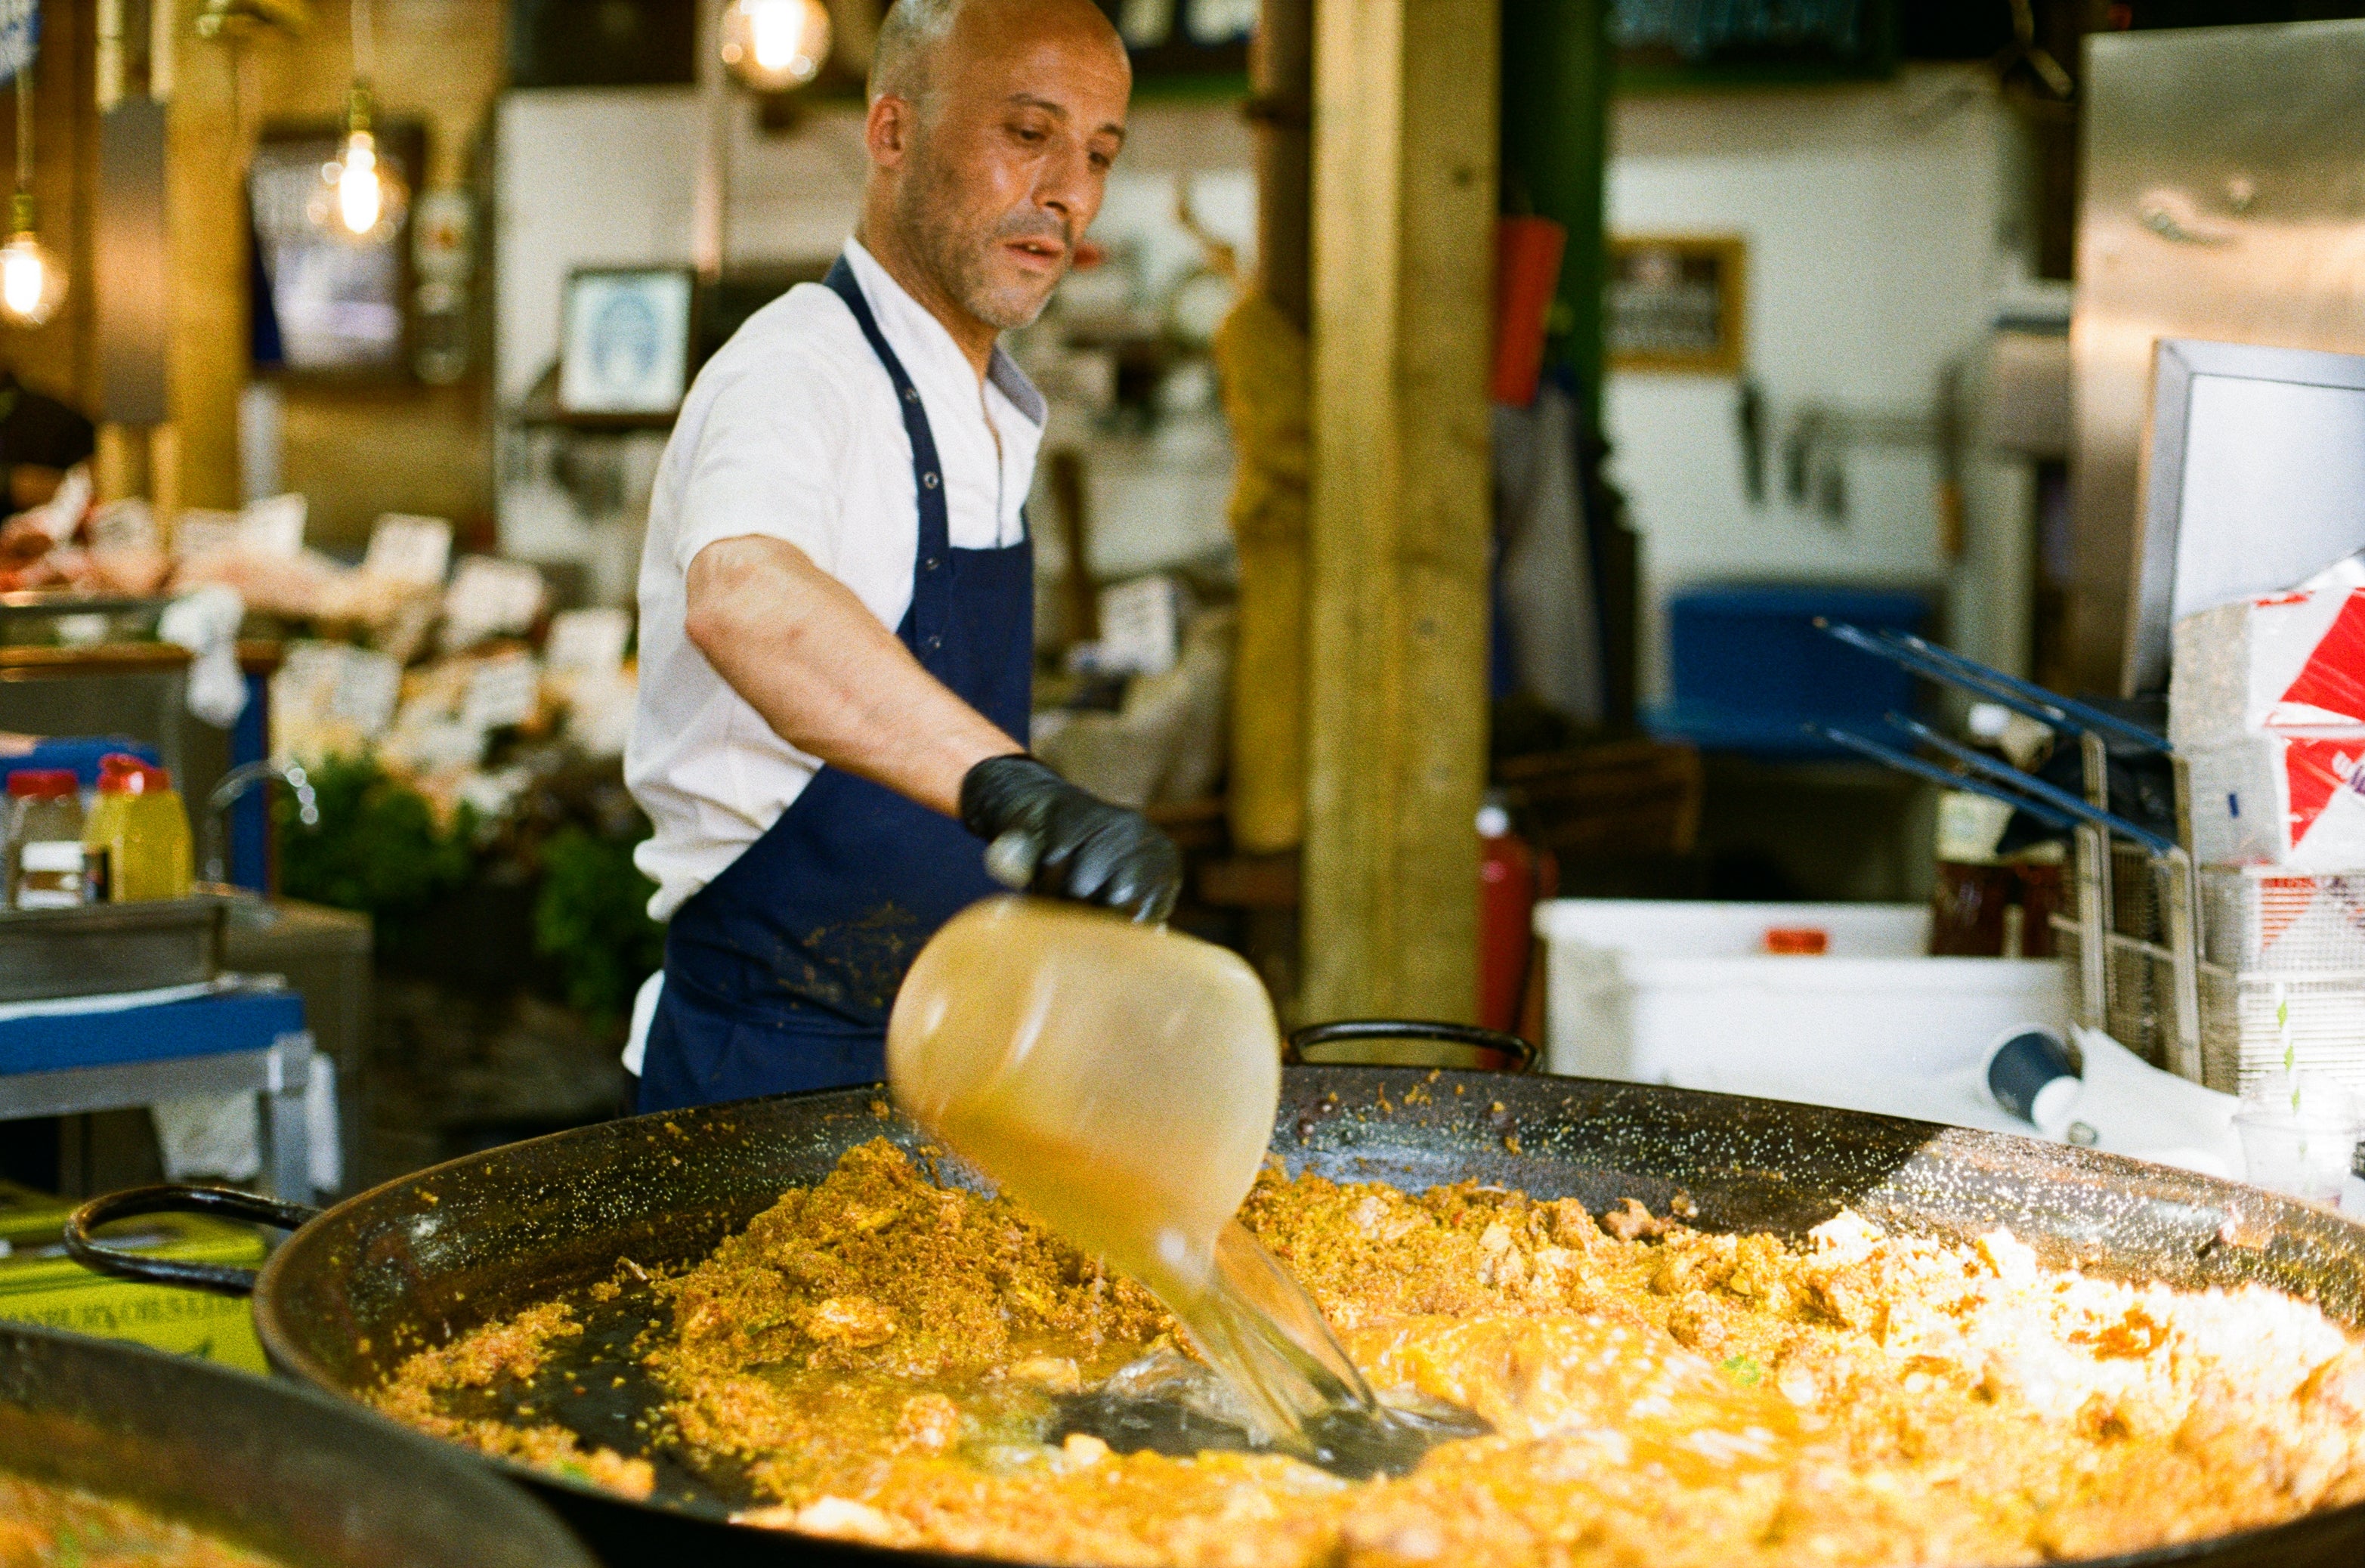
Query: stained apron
{"x": 778, "y": 974}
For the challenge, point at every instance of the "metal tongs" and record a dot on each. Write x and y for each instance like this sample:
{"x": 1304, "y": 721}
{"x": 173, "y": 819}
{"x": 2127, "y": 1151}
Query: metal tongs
{"x": 2090, "y": 818}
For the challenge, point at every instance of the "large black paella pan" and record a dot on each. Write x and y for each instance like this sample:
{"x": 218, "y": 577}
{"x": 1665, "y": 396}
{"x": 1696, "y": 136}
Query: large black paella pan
{"x": 433, "y": 1255}
{"x": 311, "y": 1481}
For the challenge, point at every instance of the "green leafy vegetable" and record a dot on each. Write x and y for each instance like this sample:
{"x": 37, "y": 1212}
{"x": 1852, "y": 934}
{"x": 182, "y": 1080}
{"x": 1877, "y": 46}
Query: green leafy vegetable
{"x": 376, "y": 849}
{"x": 591, "y": 917}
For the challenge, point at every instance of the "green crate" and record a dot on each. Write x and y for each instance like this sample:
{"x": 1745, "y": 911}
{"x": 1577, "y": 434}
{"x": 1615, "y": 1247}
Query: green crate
{"x": 39, "y": 1283}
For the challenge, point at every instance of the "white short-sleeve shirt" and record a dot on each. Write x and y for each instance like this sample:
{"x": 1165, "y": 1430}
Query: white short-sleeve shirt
{"x": 793, "y": 429}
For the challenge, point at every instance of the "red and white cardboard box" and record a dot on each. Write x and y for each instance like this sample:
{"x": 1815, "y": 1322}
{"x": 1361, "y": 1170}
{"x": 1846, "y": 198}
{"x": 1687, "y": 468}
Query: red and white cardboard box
{"x": 2289, "y": 661}
{"x": 2292, "y": 801}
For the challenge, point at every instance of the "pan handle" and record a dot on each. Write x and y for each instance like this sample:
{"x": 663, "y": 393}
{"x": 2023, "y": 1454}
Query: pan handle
{"x": 221, "y": 1278}
{"x": 1519, "y": 1054}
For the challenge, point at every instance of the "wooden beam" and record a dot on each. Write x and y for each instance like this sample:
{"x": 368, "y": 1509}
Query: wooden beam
{"x": 1405, "y": 138}
{"x": 195, "y": 454}
{"x": 1281, "y": 74}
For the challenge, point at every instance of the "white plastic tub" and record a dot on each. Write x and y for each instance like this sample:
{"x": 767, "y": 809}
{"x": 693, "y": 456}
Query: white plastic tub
{"x": 1684, "y": 994}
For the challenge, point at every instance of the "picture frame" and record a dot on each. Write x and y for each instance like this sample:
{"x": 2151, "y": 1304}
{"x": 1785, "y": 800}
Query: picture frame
{"x": 1677, "y": 303}
{"x": 326, "y": 309}
{"x": 625, "y": 340}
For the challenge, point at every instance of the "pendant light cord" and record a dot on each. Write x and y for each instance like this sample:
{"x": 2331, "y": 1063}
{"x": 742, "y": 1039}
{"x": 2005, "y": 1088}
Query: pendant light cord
{"x": 25, "y": 127}
{"x": 364, "y": 46}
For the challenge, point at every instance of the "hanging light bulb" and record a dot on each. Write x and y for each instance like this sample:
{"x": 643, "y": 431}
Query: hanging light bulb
{"x": 362, "y": 197}
{"x": 775, "y": 45}
{"x": 32, "y": 284}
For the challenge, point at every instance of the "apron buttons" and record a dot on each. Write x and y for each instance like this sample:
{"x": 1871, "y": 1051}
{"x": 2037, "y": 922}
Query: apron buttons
{"x": 934, "y": 643}
{"x": 929, "y": 480}
{"x": 932, "y": 563}
{"x": 911, "y": 394}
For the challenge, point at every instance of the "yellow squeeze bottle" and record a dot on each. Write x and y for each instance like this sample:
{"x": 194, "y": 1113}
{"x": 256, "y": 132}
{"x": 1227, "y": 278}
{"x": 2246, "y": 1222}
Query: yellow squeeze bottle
{"x": 137, "y": 832}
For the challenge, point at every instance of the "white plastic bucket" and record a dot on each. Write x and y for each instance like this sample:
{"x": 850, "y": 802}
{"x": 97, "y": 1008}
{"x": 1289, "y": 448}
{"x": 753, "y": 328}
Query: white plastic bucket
{"x": 1684, "y": 993}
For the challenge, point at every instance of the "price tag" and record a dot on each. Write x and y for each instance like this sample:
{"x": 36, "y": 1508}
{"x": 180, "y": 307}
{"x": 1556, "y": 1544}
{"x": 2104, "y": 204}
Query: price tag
{"x": 502, "y": 692}
{"x": 272, "y": 527}
{"x": 127, "y": 525}
{"x": 367, "y": 690}
{"x": 589, "y": 641}
{"x": 599, "y": 713}
{"x": 333, "y": 684}
{"x": 409, "y": 549}
{"x": 200, "y": 530}
{"x": 1141, "y": 625}
{"x": 488, "y": 598}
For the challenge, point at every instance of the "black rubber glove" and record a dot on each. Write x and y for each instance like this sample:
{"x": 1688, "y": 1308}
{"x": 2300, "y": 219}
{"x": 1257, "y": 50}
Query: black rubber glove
{"x": 1045, "y": 835}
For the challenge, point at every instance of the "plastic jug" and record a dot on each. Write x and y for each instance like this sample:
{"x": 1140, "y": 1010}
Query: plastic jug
{"x": 1117, "y": 1079}
{"x": 1121, "y": 1080}
{"x": 138, "y": 831}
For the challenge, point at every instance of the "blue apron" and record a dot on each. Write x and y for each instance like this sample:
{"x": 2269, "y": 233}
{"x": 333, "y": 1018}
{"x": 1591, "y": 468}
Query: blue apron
{"x": 778, "y": 974}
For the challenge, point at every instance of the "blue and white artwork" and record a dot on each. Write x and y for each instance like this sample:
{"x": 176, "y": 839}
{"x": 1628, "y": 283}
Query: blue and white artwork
{"x": 20, "y": 34}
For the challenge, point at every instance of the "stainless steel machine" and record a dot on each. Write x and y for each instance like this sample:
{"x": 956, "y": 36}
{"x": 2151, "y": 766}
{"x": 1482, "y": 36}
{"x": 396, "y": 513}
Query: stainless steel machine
{"x": 2224, "y": 201}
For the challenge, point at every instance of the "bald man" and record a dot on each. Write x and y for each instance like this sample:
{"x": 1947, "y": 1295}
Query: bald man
{"x": 838, "y": 592}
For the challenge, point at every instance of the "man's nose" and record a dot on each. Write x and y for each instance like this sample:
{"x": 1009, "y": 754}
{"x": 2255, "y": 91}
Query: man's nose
{"x": 1065, "y": 186}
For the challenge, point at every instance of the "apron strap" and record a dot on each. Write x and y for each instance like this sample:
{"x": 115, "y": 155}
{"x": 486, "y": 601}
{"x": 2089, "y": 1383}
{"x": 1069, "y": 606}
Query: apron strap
{"x": 932, "y": 565}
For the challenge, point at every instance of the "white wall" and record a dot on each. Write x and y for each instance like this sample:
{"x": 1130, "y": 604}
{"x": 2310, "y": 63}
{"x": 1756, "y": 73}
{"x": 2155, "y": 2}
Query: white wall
{"x": 1881, "y": 221}
{"x": 604, "y": 177}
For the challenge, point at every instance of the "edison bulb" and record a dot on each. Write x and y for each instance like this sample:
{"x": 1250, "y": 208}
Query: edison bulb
{"x": 360, "y": 197}
{"x": 775, "y": 45}
{"x": 32, "y": 284}
{"x": 360, "y": 200}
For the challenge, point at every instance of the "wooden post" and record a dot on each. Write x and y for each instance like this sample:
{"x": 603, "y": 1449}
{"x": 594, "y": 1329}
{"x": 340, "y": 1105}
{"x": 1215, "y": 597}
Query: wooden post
{"x": 194, "y": 454}
{"x": 1405, "y": 139}
{"x": 1281, "y": 74}
{"x": 1262, "y": 355}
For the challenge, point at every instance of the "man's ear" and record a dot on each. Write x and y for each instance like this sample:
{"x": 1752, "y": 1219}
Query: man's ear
{"x": 886, "y": 129}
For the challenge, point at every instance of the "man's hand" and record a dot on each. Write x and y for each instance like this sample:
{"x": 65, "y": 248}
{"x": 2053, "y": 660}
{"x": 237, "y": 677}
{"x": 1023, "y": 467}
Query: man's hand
{"x": 1044, "y": 833}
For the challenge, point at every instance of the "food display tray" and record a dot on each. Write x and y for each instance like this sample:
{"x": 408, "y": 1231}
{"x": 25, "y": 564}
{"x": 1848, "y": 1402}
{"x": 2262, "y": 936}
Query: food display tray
{"x": 99, "y": 950}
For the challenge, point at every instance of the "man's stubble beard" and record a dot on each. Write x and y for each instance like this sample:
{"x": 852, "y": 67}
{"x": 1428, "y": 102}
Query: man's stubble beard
{"x": 955, "y": 253}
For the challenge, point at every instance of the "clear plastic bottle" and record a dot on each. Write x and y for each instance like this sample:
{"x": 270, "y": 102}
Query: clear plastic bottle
{"x": 45, "y": 848}
{"x": 142, "y": 831}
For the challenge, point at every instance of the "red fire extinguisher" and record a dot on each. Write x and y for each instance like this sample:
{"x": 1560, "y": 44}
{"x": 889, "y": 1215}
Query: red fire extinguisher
{"x": 1512, "y": 875}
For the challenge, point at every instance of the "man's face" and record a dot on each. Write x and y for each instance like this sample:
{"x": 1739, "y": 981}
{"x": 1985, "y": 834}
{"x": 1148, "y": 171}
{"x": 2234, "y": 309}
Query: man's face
{"x": 1025, "y": 113}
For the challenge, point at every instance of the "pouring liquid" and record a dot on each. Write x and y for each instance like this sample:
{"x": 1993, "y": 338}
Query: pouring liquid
{"x": 1121, "y": 1082}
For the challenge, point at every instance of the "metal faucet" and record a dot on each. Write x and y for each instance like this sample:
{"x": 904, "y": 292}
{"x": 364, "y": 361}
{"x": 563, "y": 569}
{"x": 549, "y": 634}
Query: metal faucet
{"x": 236, "y": 782}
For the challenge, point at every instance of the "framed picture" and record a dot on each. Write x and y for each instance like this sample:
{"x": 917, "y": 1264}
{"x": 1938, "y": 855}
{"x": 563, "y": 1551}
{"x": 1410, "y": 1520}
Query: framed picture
{"x": 327, "y": 308}
{"x": 625, "y": 342}
{"x": 1676, "y": 303}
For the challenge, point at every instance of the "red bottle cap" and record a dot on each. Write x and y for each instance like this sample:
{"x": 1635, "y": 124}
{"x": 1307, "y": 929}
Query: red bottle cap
{"x": 121, "y": 773}
{"x": 43, "y": 783}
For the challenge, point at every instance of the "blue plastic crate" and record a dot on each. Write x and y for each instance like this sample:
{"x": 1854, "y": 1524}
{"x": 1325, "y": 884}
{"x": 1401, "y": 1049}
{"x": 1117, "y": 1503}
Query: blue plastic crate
{"x": 1750, "y": 670}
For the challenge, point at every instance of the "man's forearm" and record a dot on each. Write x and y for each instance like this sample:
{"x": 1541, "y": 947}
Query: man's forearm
{"x": 807, "y": 654}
